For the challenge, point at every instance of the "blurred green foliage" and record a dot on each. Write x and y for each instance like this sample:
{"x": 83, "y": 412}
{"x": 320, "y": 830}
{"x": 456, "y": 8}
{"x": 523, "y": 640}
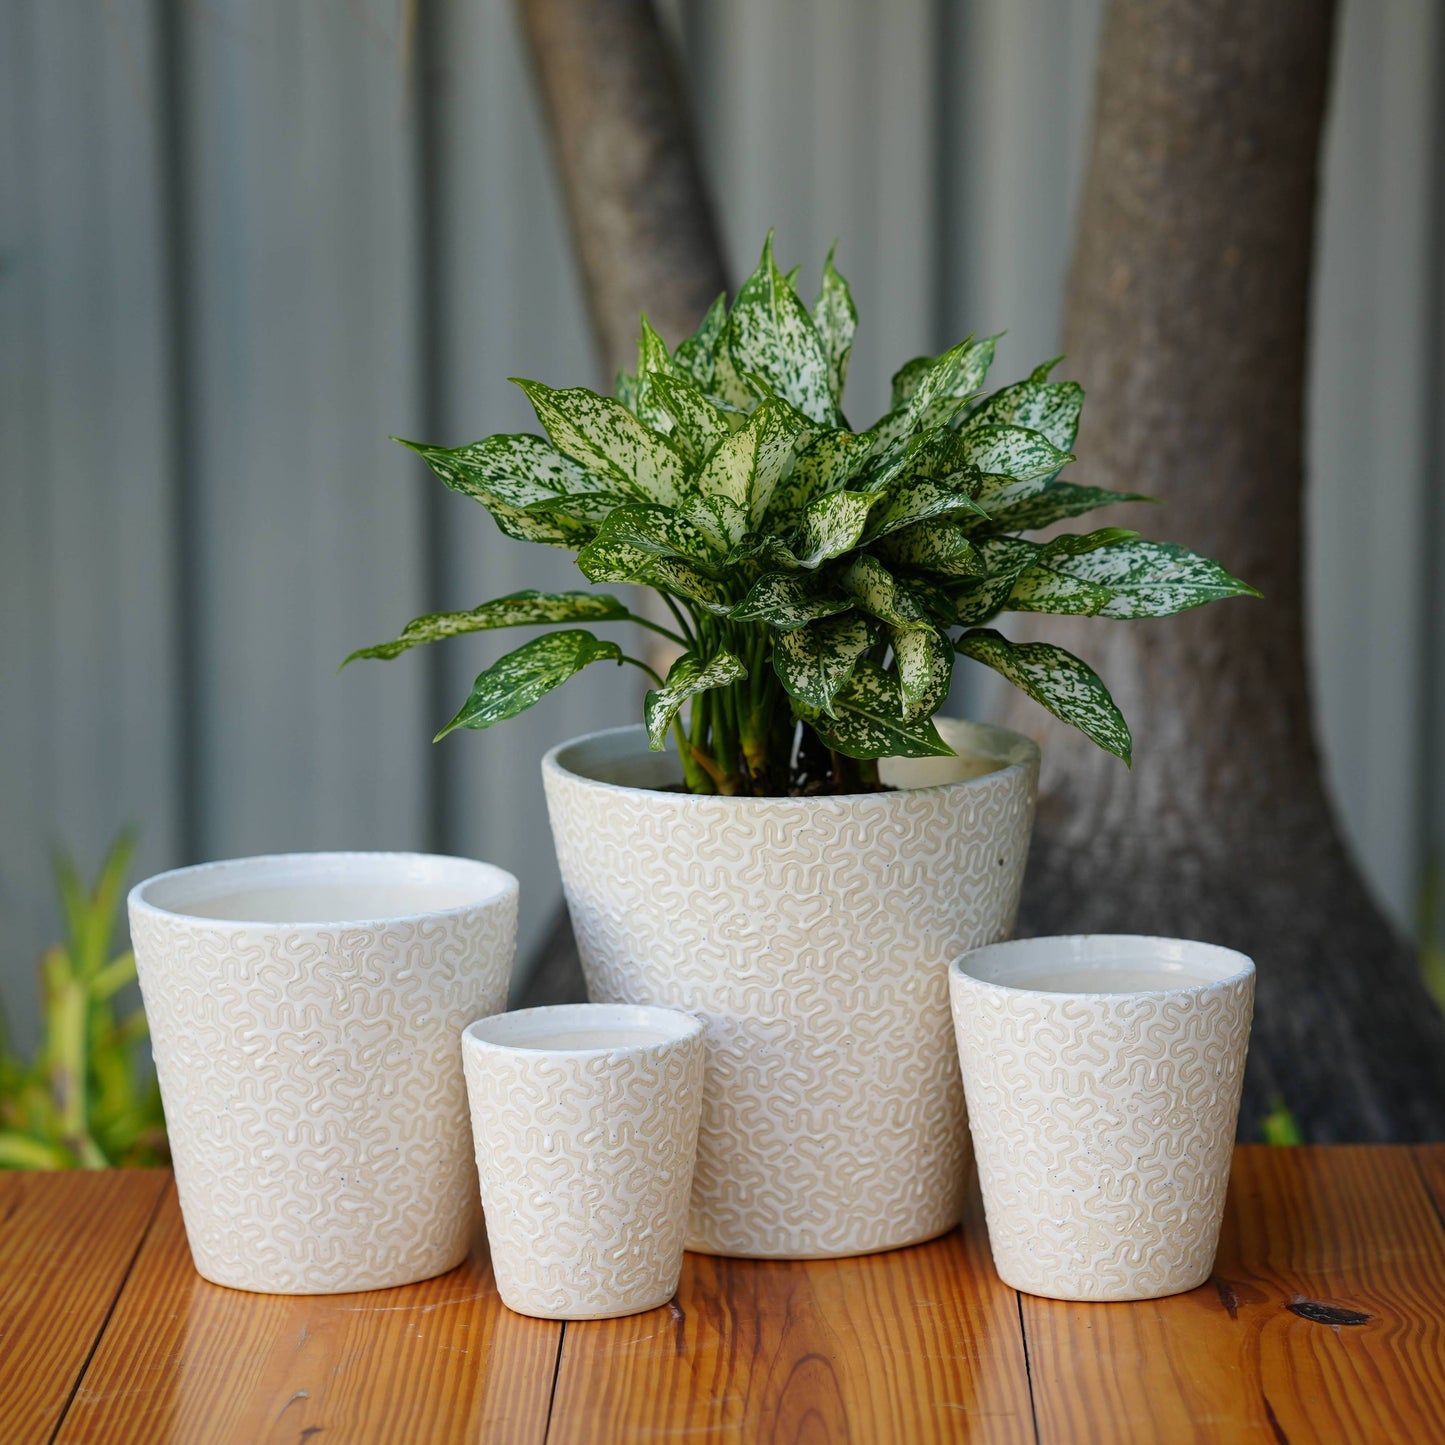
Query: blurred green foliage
{"x": 82, "y": 1103}
{"x": 1279, "y": 1126}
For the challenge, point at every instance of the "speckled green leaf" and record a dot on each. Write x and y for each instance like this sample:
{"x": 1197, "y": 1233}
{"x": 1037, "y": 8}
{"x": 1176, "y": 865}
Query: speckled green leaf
{"x": 617, "y": 561}
{"x": 654, "y": 361}
{"x": 662, "y": 531}
{"x": 877, "y": 591}
{"x": 1011, "y": 451}
{"x": 730, "y": 388}
{"x": 824, "y": 465}
{"x": 687, "y": 677}
{"x": 1068, "y": 687}
{"x": 906, "y": 379}
{"x": 544, "y": 526}
{"x": 719, "y": 519}
{"x": 517, "y": 471}
{"x": 888, "y": 430}
{"x": 831, "y": 526}
{"x": 923, "y": 659}
{"x": 604, "y": 436}
{"x": 949, "y": 382}
{"x": 767, "y": 551}
{"x": 697, "y": 355}
{"x": 745, "y": 467}
{"x": 514, "y": 682}
{"x": 938, "y": 546}
{"x": 770, "y": 333}
{"x": 1056, "y": 503}
{"x": 1049, "y": 407}
{"x": 1125, "y": 579}
{"x": 790, "y": 599}
{"x": 652, "y": 352}
{"x": 518, "y": 609}
{"x": 1004, "y": 559}
{"x": 699, "y": 425}
{"x": 614, "y": 561}
{"x": 682, "y": 579}
{"x": 917, "y": 501}
{"x": 813, "y": 662}
{"x": 1008, "y": 559}
{"x": 937, "y": 454}
{"x": 836, "y": 318}
{"x": 868, "y": 721}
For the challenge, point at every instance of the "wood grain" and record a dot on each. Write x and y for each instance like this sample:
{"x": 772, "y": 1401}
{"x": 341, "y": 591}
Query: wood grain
{"x": 66, "y": 1242}
{"x": 1340, "y": 1226}
{"x": 186, "y": 1360}
{"x": 920, "y": 1344}
{"x": 1431, "y": 1161}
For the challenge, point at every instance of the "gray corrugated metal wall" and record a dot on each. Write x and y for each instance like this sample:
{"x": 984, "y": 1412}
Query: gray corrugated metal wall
{"x": 242, "y": 242}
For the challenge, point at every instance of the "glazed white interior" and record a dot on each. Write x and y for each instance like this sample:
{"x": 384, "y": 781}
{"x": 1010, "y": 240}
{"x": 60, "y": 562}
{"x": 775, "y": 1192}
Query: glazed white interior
{"x": 1109, "y": 963}
{"x": 620, "y": 756}
{"x": 612, "y": 1026}
{"x": 335, "y": 889}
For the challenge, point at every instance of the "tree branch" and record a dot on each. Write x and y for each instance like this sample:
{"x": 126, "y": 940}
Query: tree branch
{"x": 635, "y": 195}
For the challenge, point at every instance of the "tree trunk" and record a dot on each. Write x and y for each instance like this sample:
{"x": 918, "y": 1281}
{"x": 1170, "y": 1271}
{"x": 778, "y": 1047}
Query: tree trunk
{"x": 640, "y": 215}
{"x": 1186, "y": 323}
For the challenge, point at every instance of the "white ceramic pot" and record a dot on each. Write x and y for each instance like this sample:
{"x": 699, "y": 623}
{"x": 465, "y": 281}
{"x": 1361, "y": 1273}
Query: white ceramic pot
{"x": 309, "y": 1067}
{"x": 1103, "y": 1076}
{"x": 813, "y": 935}
{"x": 585, "y": 1121}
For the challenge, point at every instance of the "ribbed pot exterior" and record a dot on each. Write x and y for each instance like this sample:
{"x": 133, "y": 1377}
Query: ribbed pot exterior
{"x": 312, "y": 1076}
{"x": 813, "y": 936}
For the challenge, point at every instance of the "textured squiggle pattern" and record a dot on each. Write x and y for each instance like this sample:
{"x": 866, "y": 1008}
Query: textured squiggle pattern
{"x": 313, "y": 1091}
{"x": 813, "y": 936}
{"x": 586, "y": 1166}
{"x": 1103, "y": 1130}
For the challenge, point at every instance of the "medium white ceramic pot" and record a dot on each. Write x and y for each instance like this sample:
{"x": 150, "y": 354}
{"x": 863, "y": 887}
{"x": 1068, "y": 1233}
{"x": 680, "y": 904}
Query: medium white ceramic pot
{"x": 1103, "y": 1076}
{"x": 304, "y": 1011}
{"x": 813, "y": 936}
{"x": 585, "y": 1120}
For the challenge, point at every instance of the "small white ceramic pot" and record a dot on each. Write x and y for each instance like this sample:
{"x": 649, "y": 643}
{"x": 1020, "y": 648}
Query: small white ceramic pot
{"x": 585, "y": 1122}
{"x": 813, "y": 935}
{"x": 1103, "y": 1075}
{"x": 304, "y": 1012}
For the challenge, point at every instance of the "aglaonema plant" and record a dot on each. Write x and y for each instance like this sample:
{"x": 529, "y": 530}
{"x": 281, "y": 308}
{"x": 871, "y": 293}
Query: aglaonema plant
{"x": 820, "y": 580}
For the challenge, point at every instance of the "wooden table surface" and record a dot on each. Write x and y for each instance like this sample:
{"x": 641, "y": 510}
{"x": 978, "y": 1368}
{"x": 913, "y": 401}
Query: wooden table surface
{"x": 107, "y": 1334}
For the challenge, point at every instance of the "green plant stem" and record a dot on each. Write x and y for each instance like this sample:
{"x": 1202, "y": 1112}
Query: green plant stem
{"x": 658, "y": 628}
{"x": 693, "y": 774}
{"x": 637, "y": 662}
{"x": 689, "y": 633}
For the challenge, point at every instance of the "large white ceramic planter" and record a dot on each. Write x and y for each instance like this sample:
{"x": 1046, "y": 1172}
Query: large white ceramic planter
{"x": 813, "y": 935}
{"x": 1103, "y": 1075}
{"x": 310, "y": 1068}
{"x": 585, "y": 1119}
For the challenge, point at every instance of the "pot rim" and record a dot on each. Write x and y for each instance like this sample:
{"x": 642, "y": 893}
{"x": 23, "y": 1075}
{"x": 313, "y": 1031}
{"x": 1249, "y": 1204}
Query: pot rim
{"x": 1076, "y": 946}
{"x": 506, "y": 1033}
{"x": 1021, "y": 753}
{"x": 496, "y": 886}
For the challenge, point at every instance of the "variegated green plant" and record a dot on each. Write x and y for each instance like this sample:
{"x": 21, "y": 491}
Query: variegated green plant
{"x": 83, "y": 1103}
{"x": 820, "y": 579}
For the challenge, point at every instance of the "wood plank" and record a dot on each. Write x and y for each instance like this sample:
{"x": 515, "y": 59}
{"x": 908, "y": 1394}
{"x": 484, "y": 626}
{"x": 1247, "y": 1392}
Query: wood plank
{"x": 920, "y": 1344}
{"x": 186, "y": 1360}
{"x": 1342, "y": 1226}
{"x": 1431, "y": 1161}
{"x": 66, "y": 1242}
